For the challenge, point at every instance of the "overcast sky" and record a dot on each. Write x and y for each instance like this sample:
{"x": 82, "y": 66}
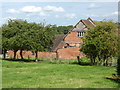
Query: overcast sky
{"x": 59, "y": 13}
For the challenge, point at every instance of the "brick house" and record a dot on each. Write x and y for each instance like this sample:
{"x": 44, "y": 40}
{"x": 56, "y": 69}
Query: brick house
{"x": 65, "y": 46}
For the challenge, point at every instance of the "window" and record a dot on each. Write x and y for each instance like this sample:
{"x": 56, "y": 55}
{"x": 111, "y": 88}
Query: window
{"x": 80, "y": 34}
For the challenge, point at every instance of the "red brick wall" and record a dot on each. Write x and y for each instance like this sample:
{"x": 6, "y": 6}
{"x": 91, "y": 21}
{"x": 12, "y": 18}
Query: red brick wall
{"x": 72, "y": 38}
{"x": 69, "y": 53}
{"x": 46, "y": 55}
{"x": 66, "y": 53}
{"x": 27, "y": 54}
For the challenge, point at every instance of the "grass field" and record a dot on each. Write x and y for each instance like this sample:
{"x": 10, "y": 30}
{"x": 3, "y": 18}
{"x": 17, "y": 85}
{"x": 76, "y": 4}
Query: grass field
{"x": 49, "y": 75}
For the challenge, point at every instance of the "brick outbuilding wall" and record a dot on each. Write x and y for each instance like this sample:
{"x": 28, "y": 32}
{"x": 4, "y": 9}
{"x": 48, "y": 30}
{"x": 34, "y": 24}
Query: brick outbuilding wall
{"x": 28, "y": 54}
{"x": 72, "y": 38}
{"x": 69, "y": 53}
{"x": 65, "y": 53}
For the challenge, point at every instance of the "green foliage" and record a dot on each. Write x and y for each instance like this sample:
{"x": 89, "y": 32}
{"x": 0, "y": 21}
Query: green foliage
{"x": 118, "y": 25}
{"x": 61, "y": 29}
{"x": 118, "y": 61}
{"x": 21, "y": 35}
{"x": 101, "y": 42}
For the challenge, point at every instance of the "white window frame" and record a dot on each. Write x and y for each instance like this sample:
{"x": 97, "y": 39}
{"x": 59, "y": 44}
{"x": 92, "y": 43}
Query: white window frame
{"x": 80, "y": 34}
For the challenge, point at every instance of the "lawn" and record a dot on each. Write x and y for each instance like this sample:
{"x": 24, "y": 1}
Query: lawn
{"x": 18, "y": 74}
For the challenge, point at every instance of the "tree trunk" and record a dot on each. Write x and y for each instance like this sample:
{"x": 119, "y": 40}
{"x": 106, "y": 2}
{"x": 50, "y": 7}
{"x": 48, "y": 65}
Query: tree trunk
{"x": 21, "y": 54}
{"x": 104, "y": 60}
{"x": 15, "y": 51}
{"x": 98, "y": 62}
{"x": 118, "y": 66}
{"x": 91, "y": 59}
{"x": 78, "y": 57}
{"x": 36, "y": 55}
{"x": 4, "y": 53}
{"x": 94, "y": 61}
{"x": 57, "y": 55}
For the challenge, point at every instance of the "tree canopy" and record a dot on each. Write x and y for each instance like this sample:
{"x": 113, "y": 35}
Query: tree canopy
{"x": 21, "y": 35}
{"x": 100, "y": 43}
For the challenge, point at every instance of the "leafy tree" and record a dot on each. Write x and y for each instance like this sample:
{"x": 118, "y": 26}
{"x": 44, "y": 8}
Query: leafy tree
{"x": 21, "y": 35}
{"x": 100, "y": 42}
{"x": 60, "y": 29}
{"x": 41, "y": 38}
{"x": 118, "y": 66}
{"x": 64, "y": 29}
{"x": 15, "y": 32}
{"x": 5, "y": 39}
{"x": 34, "y": 36}
{"x": 118, "y": 61}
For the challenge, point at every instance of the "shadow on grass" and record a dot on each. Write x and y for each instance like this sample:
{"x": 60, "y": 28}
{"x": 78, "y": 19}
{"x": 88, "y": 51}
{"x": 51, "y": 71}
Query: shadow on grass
{"x": 22, "y": 60}
{"x": 114, "y": 79}
{"x": 82, "y": 63}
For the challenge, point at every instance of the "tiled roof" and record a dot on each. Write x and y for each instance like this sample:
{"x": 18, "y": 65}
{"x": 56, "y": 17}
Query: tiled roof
{"x": 58, "y": 42}
{"x": 88, "y": 23}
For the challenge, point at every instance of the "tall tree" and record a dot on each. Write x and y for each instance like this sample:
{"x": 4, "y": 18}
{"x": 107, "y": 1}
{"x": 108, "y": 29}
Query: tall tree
{"x": 118, "y": 60}
{"x": 15, "y": 32}
{"x": 5, "y": 39}
{"x": 100, "y": 42}
{"x": 41, "y": 38}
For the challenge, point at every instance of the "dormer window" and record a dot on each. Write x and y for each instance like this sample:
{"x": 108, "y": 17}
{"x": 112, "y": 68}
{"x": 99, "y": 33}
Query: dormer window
{"x": 80, "y": 34}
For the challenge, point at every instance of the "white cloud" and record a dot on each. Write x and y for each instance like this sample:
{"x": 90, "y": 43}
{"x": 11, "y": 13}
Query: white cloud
{"x": 42, "y": 14}
{"x": 35, "y": 10}
{"x": 31, "y": 9}
{"x": 71, "y": 15}
{"x": 93, "y": 5}
{"x": 115, "y": 13}
{"x": 12, "y": 11}
{"x": 54, "y": 9}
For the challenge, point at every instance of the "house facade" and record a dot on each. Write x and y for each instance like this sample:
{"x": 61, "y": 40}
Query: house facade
{"x": 65, "y": 46}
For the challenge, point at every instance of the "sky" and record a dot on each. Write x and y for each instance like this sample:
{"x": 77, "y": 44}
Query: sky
{"x": 59, "y": 13}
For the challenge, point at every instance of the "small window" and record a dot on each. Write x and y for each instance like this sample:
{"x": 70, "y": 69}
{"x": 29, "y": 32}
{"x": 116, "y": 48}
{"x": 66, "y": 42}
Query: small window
{"x": 80, "y": 34}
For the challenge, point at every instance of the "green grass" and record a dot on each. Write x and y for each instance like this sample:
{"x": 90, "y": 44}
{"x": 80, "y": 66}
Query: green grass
{"x": 50, "y": 75}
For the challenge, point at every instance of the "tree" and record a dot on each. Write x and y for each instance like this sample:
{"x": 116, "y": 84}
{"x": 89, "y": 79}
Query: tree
{"x": 15, "y": 32}
{"x": 60, "y": 29}
{"x": 21, "y": 35}
{"x": 100, "y": 42}
{"x": 118, "y": 66}
{"x": 118, "y": 60}
{"x": 41, "y": 38}
{"x": 64, "y": 29}
{"x": 5, "y": 39}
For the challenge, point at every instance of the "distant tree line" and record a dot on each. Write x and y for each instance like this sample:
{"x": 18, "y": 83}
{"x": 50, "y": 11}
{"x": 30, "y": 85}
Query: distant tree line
{"x": 61, "y": 29}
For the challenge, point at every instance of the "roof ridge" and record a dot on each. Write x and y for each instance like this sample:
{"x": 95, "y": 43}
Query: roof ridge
{"x": 91, "y": 21}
